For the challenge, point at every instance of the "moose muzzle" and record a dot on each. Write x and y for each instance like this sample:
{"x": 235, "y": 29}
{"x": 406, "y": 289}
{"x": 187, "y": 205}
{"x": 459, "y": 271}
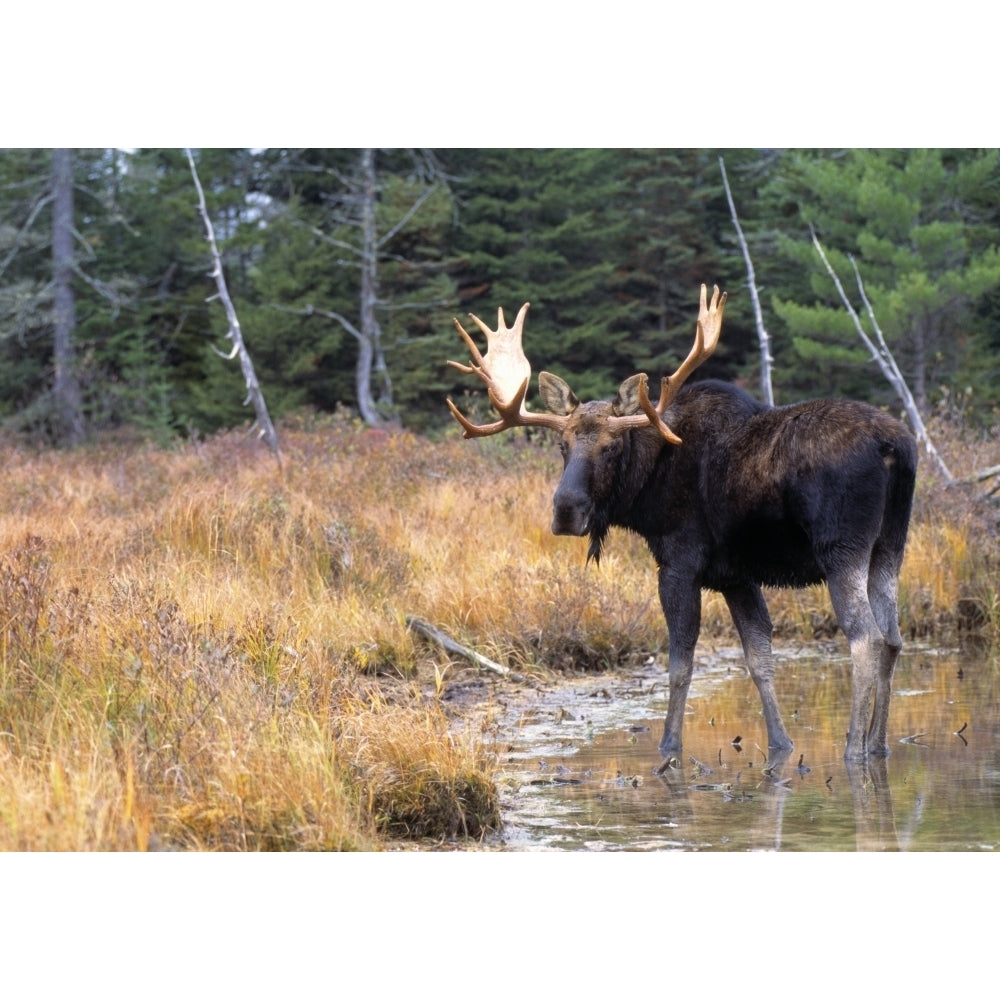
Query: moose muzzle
{"x": 571, "y": 510}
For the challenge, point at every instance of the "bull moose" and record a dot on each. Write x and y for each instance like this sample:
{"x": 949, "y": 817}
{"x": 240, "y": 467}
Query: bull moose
{"x": 730, "y": 494}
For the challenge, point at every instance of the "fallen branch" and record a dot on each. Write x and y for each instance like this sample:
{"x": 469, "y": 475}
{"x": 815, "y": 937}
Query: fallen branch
{"x": 989, "y": 474}
{"x": 994, "y": 470}
{"x": 979, "y": 477}
{"x": 448, "y": 644}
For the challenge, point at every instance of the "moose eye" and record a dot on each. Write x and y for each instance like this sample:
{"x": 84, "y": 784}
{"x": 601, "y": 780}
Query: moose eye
{"x": 611, "y": 447}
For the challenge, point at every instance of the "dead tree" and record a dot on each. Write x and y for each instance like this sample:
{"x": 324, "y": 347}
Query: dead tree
{"x": 66, "y": 388}
{"x": 884, "y": 359}
{"x": 763, "y": 337}
{"x": 366, "y": 252}
{"x": 254, "y": 394}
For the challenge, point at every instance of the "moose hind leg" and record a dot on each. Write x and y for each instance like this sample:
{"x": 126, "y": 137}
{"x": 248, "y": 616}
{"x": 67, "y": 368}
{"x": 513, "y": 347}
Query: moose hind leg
{"x": 883, "y": 579}
{"x": 749, "y": 611}
{"x": 871, "y": 659}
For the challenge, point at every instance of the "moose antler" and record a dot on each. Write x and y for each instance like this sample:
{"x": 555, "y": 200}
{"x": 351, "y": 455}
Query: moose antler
{"x": 706, "y": 339}
{"x": 506, "y": 372}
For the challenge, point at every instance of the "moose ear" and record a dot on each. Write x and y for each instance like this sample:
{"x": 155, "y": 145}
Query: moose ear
{"x": 557, "y": 396}
{"x": 627, "y": 401}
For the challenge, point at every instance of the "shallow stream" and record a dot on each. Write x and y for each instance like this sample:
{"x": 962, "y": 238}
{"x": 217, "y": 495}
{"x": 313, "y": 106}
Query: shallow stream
{"x": 578, "y": 764}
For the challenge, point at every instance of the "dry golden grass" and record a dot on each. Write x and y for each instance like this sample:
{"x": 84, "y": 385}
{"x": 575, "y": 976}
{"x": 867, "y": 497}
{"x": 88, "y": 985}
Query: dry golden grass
{"x": 199, "y": 651}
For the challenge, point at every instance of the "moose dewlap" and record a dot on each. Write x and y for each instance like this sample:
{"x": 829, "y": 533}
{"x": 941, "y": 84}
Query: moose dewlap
{"x": 730, "y": 495}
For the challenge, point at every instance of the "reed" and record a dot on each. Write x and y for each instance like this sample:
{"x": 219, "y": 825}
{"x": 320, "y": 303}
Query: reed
{"x": 199, "y": 651}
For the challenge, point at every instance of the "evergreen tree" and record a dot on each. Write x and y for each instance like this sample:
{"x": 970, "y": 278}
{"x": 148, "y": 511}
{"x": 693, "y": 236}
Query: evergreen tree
{"x": 25, "y": 288}
{"x": 353, "y": 278}
{"x": 51, "y": 231}
{"x": 609, "y": 246}
{"x": 914, "y": 222}
{"x": 677, "y": 225}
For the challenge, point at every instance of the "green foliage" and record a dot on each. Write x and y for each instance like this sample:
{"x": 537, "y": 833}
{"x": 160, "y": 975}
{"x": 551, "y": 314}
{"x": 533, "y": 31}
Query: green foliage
{"x": 605, "y": 245}
{"x": 912, "y": 222}
{"x": 25, "y": 283}
{"x": 608, "y": 245}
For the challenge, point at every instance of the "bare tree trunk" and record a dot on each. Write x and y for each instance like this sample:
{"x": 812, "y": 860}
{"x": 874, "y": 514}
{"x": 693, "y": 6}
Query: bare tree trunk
{"x": 66, "y": 389}
{"x": 372, "y": 382}
{"x": 254, "y": 394}
{"x": 763, "y": 337}
{"x": 371, "y": 357}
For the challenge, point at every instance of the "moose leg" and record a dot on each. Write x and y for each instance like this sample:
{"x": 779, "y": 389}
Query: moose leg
{"x": 870, "y": 657}
{"x": 681, "y": 604}
{"x": 749, "y": 611}
{"x": 883, "y": 579}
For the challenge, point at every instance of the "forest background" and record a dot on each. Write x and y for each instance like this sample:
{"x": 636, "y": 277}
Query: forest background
{"x": 346, "y": 267}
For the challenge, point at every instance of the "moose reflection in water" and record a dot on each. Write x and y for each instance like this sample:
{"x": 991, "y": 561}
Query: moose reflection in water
{"x": 577, "y": 761}
{"x": 730, "y": 494}
{"x": 871, "y": 797}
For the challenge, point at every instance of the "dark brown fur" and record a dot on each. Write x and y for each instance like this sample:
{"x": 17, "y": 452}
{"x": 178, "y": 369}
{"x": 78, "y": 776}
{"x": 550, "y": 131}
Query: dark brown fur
{"x": 753, "y": 496}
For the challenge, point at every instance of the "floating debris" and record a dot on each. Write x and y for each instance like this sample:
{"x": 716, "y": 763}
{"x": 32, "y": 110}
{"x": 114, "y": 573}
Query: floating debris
{"x": 700, "y": 767}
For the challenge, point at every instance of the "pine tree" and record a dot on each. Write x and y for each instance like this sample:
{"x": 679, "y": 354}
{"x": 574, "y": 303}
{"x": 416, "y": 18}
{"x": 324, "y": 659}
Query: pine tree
{"x": 25, "y": 288}
{"x": 912, "y": 220}
{"x": 609, "y": 246}
{"x": 352, "y": 279}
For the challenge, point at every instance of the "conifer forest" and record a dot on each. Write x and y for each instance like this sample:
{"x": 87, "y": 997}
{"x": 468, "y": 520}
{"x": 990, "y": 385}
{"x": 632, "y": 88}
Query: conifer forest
{"x": 345, "y": 268}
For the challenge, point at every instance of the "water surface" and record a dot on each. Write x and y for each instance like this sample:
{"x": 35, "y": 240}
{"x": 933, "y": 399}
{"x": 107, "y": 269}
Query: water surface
{"x": 578, "y": 766}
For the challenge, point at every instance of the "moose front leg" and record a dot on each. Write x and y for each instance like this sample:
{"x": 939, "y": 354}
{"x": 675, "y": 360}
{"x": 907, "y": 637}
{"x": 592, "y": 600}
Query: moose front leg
{"x": 681, "y": 604}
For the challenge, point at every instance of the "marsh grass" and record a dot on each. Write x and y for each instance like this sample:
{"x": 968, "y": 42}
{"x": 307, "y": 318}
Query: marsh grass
{"x": 198, "y": 652}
